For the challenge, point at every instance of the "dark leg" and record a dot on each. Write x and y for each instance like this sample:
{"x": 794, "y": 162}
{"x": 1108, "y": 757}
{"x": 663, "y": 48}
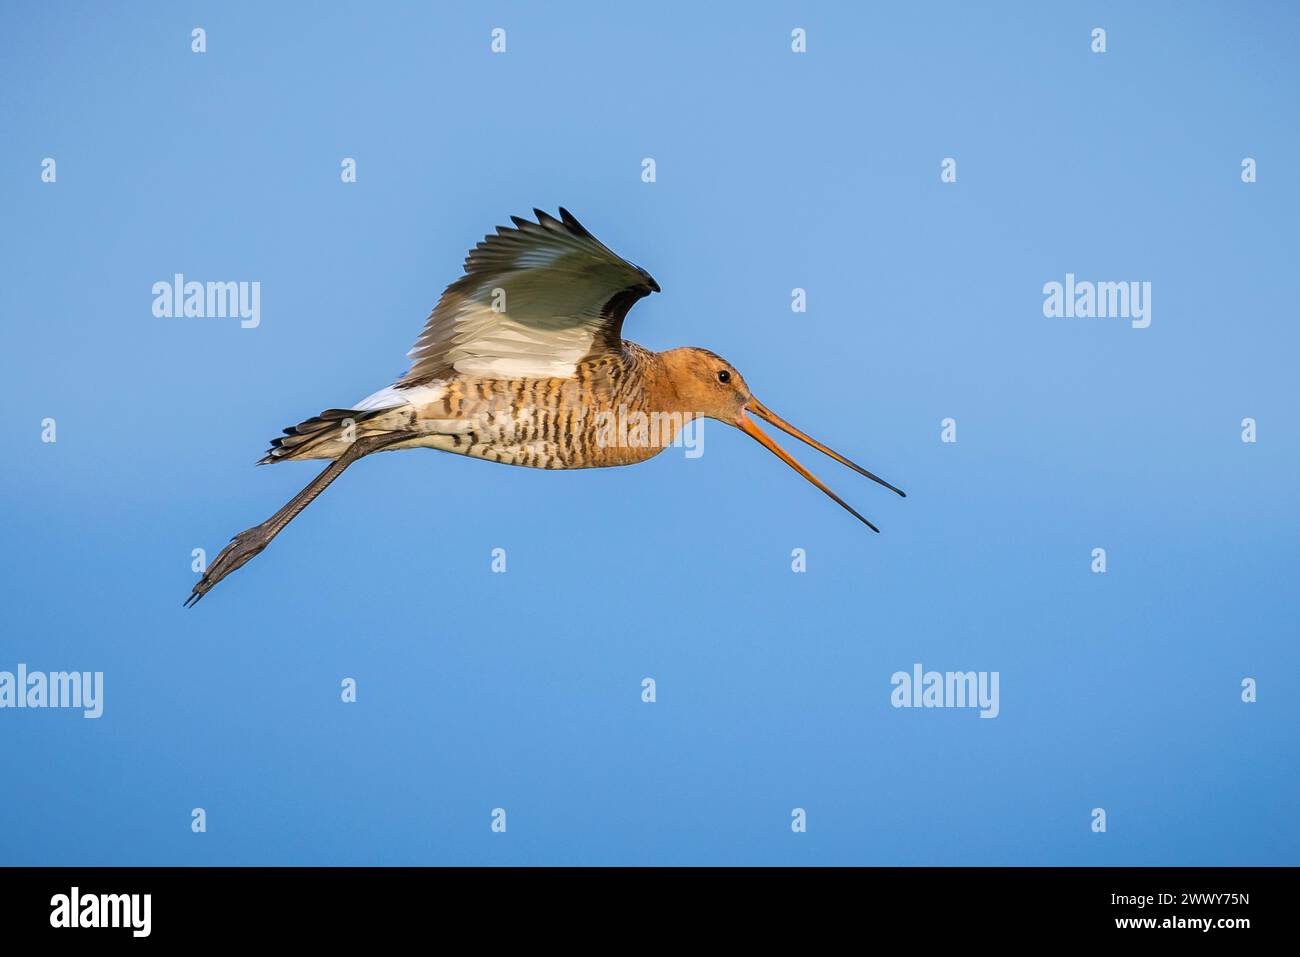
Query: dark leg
{"x": 248, "y": 543}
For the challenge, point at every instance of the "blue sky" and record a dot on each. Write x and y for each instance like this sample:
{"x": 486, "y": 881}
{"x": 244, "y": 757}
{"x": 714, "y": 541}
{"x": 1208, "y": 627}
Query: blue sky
{"x": 522, "y": 690}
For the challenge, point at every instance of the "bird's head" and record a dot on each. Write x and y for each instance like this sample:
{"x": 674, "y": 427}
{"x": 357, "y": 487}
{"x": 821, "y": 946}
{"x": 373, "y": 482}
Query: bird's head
{"x": 710, "y": 386}
{"x": 707, "y": 384}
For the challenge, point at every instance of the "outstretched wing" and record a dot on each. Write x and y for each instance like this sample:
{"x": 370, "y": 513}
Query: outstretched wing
{"x": 535, "y": 300}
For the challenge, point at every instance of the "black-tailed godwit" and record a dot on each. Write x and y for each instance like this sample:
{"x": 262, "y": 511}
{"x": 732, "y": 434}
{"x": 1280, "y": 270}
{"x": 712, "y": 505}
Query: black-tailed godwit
{"x": 523, "y": 362}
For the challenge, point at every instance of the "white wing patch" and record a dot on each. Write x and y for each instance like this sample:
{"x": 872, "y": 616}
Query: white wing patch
{"x": 534, "y": 301}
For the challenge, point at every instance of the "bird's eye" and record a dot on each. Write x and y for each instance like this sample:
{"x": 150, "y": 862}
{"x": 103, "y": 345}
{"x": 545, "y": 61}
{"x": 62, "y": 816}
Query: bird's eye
{"x": 724, "y": 376}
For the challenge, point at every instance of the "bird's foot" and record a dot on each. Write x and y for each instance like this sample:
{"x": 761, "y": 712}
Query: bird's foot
{"x": 242, "y": 549}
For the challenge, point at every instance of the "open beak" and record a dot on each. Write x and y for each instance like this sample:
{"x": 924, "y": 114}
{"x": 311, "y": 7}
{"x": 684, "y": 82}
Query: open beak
{"x": 747, "y": 426}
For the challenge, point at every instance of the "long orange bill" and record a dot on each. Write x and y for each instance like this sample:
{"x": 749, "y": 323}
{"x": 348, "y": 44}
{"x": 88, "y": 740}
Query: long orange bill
{"x": 747, "y": 426}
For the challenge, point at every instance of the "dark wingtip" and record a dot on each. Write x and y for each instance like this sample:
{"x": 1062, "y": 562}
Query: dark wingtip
{"x": 572, "y": 222}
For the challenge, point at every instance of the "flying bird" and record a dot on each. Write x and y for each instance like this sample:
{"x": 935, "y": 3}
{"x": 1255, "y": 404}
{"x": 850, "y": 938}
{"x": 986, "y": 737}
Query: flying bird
{"x": 523, "y": 362}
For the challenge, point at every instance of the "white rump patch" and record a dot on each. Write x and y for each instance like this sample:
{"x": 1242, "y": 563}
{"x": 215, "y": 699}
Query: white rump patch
{"x": 394, "y": 397}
